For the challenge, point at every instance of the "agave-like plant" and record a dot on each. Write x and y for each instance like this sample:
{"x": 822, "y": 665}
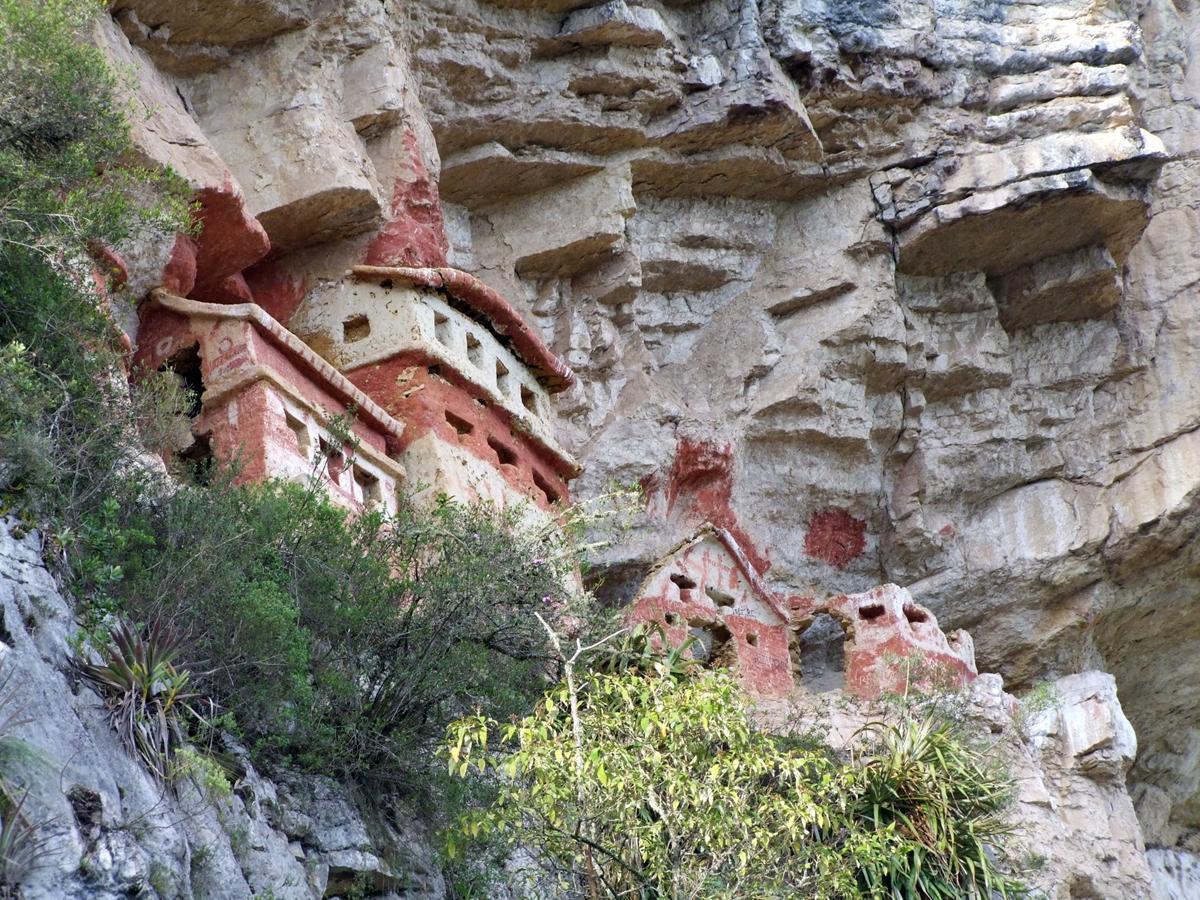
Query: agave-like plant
{"x": 644, "y": 647}
{"x": 942, "y": 801}
{"x": 147, "y": 697}
{"x": 21, "y": 847}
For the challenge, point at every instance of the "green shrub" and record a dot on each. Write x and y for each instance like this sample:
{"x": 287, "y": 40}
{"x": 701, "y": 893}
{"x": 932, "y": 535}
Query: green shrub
{"x": 660, "y": 787}
{"x": 68, "y": 427}
{"x": 337, "y": 643}
{"x": 64, "y": 135}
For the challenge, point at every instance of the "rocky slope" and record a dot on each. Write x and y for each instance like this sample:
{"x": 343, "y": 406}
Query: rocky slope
{"x": 903, "y": 290}
{"x": 109, "y": 830}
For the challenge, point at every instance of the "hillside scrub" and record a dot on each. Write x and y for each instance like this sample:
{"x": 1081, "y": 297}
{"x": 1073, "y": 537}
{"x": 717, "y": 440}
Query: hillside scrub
{"x": 68, "y": 425}
{"x": 337, "y": 643}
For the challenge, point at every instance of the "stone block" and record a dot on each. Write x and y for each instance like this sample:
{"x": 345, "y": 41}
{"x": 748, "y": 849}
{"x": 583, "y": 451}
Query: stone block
{"x": 616, "y": 22}
{"x": 277, "y": 120}
{"x": 487, "y": 172}
{"x": 373, "y": 89}
{"x": 561, "y": 229}
{"x": 229, "y": 22}
{"x": 1083, "y": 284}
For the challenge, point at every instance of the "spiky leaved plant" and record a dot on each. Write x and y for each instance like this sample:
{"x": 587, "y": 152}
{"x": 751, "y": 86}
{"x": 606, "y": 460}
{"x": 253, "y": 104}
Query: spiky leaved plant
{"x": 645, "y": 648}
{"x": 940, "y": 800}
{"x": 21, "y": 847}
{"x": 147, "y": 697}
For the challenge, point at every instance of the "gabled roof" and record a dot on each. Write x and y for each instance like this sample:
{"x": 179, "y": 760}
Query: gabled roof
{"x": 481, "y": 300}
{"x": 734, "y": 549}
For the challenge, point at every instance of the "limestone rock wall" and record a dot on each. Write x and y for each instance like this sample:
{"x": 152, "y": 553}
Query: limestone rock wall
{"x": 897, "y": 291}
{"x": 111, "y": 831}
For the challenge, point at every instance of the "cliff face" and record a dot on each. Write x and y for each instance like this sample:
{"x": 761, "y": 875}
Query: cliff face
{"x": 899, "y": 291}
{"x": 109, "y": 830}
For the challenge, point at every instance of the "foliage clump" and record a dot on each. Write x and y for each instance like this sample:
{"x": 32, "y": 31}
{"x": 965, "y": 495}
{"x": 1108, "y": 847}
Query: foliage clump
{"x": 343, "y": 644}
{"x": 660, "y": 786}
{"x": 68, "y": 427}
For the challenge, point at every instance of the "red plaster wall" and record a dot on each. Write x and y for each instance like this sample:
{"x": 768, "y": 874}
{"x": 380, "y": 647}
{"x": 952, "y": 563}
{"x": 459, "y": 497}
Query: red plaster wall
{"x": 179, "y": 275}
{"x": 886, "y": 653}
{"x": 404, "y": 386}
{"x": 245, "y": 425}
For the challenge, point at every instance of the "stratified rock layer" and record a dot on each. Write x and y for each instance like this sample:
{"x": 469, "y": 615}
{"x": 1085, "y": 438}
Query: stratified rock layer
{"x": 921, "y": 276}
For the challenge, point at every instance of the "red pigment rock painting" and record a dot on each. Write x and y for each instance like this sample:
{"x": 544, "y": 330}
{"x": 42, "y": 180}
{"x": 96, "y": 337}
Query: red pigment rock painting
{"x": 835, "y": 536}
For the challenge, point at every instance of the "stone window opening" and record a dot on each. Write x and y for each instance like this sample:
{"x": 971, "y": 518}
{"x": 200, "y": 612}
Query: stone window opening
{"x": 719, "y": 597}
{"x": 529, "y": 399}
{"x": 552, "y": 496}
{"x": 713, "y": 645}
{"x": 441, "y": 329}
{"x": 871, "y": 612}
{"x": 915, "y": 615}
{"x": 459, "y": 424}
{"x": 300, "y": 432}
{"x": 506, "y": 455}
{"x": 367, "y": 489}
{"x": 186, "y": 366}
{"x": 752, "y": 638}
{"x": 356, "y": 328}
{"x": 671, "y": 619}
{"x": 199, "y": 457}
{"x": 684, "y": 584}
{"x": 503, "y": 381}
{"x": 819, "y": 655}
{"x": 474, "y": 350}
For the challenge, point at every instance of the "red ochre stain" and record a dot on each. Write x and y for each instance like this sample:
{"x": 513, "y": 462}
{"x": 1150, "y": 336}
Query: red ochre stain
{"x": 230, "y": 240}
{"x": 275, "y": 289}
{"x": 835, "y": 536}
{"x": 700, "y": 487}
{"x": 416, "y": 233}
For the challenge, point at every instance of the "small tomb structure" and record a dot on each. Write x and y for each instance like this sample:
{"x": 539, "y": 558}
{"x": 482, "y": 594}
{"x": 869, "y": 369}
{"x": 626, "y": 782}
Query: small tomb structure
{"x": 446, "y": 355}
{"x": 706, "y": 589}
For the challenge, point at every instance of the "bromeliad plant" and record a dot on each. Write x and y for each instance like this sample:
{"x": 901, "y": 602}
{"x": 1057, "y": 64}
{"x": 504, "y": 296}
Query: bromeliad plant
{"x": 147, "y": 697}
{"x": 943, "y": 799}
{"x": 21, "y": 846}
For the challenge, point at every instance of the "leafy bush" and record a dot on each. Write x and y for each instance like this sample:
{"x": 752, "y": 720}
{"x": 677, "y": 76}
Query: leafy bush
{"x": 660, "y": 787}
{"x": 63, "y": 136}
{"x": 338, "y": 643}
{"x": 67, "y": 426}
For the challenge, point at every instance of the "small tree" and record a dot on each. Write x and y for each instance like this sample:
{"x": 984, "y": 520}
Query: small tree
{"x": 670, "y": 793}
